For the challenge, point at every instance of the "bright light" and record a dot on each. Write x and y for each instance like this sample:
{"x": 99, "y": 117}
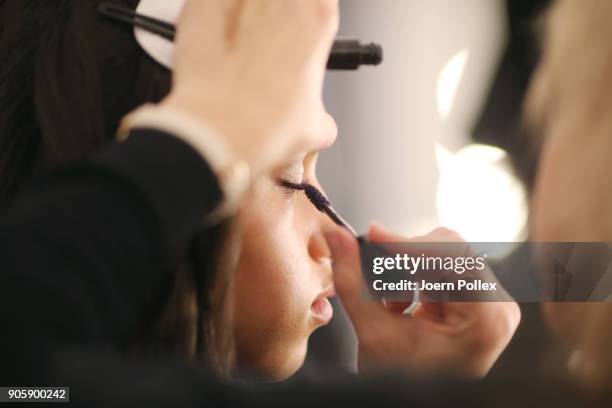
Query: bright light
{"x": 448, "y": 82}
{"x": 479, "y": 196}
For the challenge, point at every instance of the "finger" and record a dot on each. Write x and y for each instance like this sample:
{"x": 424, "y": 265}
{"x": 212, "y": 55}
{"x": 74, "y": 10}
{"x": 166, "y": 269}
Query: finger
{"x": 380, "y": 233}
{"x": 325, "y": 27}
{"x": 327, "y": 13}
{"x": 349, "y": 283}
{"x": 209, "y": 15}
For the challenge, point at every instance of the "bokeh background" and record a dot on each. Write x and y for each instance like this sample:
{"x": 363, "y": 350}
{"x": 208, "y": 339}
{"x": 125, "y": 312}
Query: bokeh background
{"x": 405, "y": 156}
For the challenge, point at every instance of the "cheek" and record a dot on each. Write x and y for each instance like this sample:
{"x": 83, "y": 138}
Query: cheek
{"x": 271, "y": 280}
{"x": 272, "y": 292}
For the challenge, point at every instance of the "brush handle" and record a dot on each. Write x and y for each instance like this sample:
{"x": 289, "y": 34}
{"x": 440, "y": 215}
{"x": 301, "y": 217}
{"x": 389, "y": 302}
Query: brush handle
{"x": 350, "y": 54}
{"x": 346, "y": 54}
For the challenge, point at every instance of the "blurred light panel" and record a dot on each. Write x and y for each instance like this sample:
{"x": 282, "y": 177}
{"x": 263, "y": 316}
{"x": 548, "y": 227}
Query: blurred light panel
{"x": 448, "y": 82}
{"x": 479, "y": 196}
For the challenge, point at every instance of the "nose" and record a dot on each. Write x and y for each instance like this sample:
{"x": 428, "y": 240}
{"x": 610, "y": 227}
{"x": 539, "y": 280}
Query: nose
{"x": 332, "y": 129}
{"x": 328, "y": 131}
{"x": 318, "y": 249}
{"x": 321, "y": 255}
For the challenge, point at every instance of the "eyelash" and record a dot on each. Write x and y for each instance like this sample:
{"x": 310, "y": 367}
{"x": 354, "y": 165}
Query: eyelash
{"x": 292, "y": 188}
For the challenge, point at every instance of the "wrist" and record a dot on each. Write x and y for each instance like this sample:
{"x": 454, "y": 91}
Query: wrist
{"x": 245, "y": 135}
{"x": 232, "y": 171}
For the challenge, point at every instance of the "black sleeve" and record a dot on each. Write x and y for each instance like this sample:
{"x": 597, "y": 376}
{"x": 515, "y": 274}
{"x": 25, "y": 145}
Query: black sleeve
{"x": 88, "y": 252}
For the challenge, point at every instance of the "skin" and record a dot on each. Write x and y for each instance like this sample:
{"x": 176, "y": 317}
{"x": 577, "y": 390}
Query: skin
{"x": 283, "y": 267}
{"x": 569, "y": 101}
{"x": 571, "y": 205}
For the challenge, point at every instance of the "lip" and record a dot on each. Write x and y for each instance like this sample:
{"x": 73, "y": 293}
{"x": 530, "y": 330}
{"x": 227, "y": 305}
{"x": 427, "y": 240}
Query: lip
{"x": 321, "y": 308}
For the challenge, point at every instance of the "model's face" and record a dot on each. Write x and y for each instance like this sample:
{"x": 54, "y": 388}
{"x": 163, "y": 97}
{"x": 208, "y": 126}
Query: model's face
{"x": 284, "y": 274}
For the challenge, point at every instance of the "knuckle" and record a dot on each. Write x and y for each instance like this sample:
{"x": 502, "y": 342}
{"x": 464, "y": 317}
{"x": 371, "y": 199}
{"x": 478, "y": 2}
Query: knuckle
{"x": 325, "y": 10}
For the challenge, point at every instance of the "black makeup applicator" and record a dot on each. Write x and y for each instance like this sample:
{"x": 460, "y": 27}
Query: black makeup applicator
{"x": 321, "y": 203}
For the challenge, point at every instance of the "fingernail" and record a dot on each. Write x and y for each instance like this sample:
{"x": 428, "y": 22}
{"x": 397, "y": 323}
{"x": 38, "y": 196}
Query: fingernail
{"x": 378, "y": 225}
{"x": 380, "y": 228}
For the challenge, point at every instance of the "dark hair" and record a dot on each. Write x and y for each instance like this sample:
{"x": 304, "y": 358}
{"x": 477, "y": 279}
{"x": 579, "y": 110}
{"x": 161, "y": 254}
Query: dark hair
{"x": 67, "y": 77}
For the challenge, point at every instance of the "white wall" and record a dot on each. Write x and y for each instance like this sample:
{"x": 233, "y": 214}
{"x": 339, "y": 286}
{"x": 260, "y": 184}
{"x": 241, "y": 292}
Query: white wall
{"x": 384, "y": 164}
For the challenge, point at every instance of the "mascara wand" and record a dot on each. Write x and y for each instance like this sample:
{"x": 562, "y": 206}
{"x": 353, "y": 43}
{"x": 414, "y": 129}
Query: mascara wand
{"x": 321, "y": 203}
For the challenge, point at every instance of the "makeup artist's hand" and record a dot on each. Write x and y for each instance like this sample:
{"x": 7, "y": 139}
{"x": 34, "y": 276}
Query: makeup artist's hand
{"x": 462, "y": 338}
{"x": 254, "y": 71}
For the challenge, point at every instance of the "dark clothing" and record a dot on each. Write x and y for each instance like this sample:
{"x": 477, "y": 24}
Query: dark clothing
{"x": 87, "y": 255}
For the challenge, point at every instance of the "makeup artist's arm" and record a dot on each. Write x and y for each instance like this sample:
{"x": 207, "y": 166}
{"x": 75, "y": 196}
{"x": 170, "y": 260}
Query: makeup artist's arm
{"x": 458, "y": 338}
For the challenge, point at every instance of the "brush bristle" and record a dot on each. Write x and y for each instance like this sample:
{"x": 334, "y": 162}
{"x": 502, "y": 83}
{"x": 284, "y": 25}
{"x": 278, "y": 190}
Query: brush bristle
{"x": 314, "y": 194}
{"x": 316, "y": 197}
{"x": 321, "y": 203}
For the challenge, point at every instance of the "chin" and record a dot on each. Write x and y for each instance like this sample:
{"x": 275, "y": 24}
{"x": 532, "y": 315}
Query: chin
{"x": 278, "y": 364}
{"x": 292, "y": 362}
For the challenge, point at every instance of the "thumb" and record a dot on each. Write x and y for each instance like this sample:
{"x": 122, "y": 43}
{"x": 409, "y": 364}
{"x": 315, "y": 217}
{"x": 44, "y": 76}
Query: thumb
{"x": 380, "y": 233}
{"x": 348, "y": 282}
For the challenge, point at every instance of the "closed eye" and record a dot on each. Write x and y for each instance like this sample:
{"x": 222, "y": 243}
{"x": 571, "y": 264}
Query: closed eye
{"x": 294, "y": 186}
{"x": 292, "y": 177}
{"x": 290, "y": 188}
{"x": 314, "y": 195}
